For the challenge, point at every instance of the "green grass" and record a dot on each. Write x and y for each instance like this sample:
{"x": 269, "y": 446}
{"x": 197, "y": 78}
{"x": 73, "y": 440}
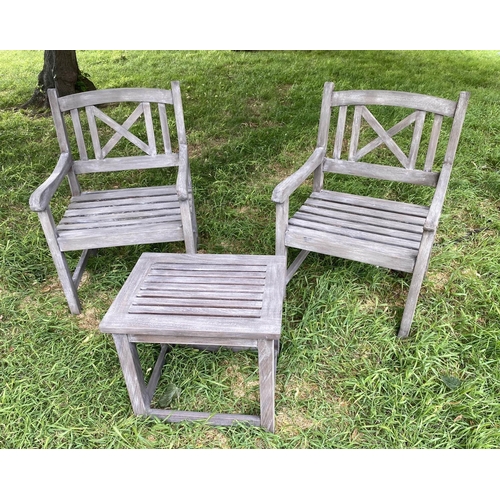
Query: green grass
{"x": 344, "y": 380}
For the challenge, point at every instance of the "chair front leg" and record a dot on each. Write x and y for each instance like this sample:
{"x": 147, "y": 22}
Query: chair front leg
{"x": 419, "y": 272}
{"x": 65, "y": 277}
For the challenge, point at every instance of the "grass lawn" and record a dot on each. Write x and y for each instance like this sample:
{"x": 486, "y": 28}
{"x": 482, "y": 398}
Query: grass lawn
{"x": 344, "y": 380}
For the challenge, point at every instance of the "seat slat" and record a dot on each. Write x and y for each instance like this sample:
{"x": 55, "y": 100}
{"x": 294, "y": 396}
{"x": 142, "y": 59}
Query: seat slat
{"x": 137, "y": 226}
{"x": 341, "y": 215}
{"x": 354, "y": 211}
{"x": 173, "y": 214}
{"x": 119, "y": 236}
{"x": 111, "y": 194}
{"x": 167, "y": 208}
{"x": 377, "y": 203}
{"x": 369, "y": 252}
{"x": 339, "y": 224}
{"x": 356, "y": 235}
{"x": 78, "y": 204}
{"x": 108, "y": 223}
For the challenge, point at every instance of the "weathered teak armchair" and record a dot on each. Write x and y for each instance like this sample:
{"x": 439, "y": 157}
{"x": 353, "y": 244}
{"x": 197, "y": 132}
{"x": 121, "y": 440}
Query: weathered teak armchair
{"x": 384, "y": 232}
{"x": 116, "y": 217}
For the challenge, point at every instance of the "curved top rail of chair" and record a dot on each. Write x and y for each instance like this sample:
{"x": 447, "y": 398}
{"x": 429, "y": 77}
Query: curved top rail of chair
{"x": 421, "y": 102}
{"x": 96, "y": 97}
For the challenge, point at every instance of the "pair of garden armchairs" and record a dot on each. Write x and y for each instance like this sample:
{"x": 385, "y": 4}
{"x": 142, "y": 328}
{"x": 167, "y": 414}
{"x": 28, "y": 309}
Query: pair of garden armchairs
{"x": 376, "y": 229}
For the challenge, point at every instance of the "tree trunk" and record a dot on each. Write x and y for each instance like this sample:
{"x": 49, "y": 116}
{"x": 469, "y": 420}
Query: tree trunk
{"x": 60, "y": 71}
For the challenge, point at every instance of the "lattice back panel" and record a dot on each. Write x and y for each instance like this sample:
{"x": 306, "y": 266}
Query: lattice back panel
{"x": 125, "y": 129}
{"x": 388, "y": 136}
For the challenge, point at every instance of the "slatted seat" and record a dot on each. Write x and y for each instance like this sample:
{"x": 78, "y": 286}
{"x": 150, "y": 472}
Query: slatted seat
{"x": 119, "y": 216}
{"x": 391, "y": 233}
{"x": 98, "y": 218}
{"x": 380, "y": 232}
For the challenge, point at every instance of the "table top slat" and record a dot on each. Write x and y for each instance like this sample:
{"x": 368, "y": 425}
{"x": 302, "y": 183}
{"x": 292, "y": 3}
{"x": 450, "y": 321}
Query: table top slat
{"x": 200, "y": 296}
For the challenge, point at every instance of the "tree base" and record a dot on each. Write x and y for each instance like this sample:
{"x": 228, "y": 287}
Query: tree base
{"x": 60, "y": 71}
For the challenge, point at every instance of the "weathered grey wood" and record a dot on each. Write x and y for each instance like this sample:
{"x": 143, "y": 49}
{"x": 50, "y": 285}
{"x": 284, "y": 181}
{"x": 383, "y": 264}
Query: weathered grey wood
{"x": 294, "y": 266}
{"x": 369, "y": 252}
{"x": 80, "y": 267}
{"x": 135, "y": 214}
{"x": 285, "y": 188}
{"x": 419, "y": 270}
{"x": 415, "y": 143}
{"x": 325, "y": 115}
{"x": 137, "y": 113}
{"x": 217, "y": 419}
{"x": 378, "y": 141}
{"x": 94, "y": 132}
{"x": 339, "y": 136}
{"x": 411, "y": 209}
{"x": 60, "y": 262}
{"x": 59, "y": 123}
{"x": 267, "y": 382}
{"x": 356, "y": 126}
{"x": 433, "y": 142}
{"x": 161, "y": 302}
{"x": 80, "y": 140}
{"x": 156, "y": 373}
{"x": 123, "y": 216}
{"x": 167, "y": 145}
{"x": 40, "y": 199}
{"x": 420, "y": 102}
{"x": 387, "y": 233}
{"x": 378, "y": 233}
{"x": 105, "y": 96}
{"x": 179, "y": 115}
{"x": 193, "y": 341}
{"x": 281, "y": 227}
{"x": 132, "y": 373}
{"x": 386, "y": 138}
{"x": 127, "y": 163}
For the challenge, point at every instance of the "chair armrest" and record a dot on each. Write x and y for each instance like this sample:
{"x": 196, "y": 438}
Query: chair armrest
{"x": 40, "y": 199}
{"x": 432, "y": 220}
{"x": 183, "y": 173}
{"x": 286, "y": 187}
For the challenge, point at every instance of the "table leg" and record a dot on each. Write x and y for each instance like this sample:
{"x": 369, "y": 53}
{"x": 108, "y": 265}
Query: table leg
{"x": 132, "y": 372}
{"x": 267, "y": 382}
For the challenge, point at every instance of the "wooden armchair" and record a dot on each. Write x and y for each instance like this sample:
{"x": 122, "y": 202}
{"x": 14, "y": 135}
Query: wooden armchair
{"x": 116, "y": 216}
{"x": 376, "y": 230}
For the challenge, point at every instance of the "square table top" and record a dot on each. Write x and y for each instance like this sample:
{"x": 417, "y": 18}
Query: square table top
{"x": 201, "y": 296}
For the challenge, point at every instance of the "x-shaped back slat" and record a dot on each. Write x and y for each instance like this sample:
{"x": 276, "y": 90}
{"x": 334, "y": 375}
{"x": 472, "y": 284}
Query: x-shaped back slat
{"x": 121, "y": 130}
{"x": 384, "y": 136}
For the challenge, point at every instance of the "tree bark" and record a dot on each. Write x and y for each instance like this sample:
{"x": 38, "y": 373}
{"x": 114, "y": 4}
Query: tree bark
{"x": 60, "y": 71}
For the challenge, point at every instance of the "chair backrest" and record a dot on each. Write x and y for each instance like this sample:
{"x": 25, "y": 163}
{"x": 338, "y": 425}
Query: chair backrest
{"x": 90, "y": 125}
{"x": 367, "y": 122}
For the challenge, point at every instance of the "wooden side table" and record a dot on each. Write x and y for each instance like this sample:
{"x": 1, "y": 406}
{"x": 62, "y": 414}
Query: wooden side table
{"x": 212, "y": 300}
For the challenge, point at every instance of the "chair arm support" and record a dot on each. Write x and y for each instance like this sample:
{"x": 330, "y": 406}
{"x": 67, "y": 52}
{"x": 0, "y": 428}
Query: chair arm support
{"x": 40, "y": 198}
{"x": 182, "y": 174}
{"x": 432, "y": 220}
{"x": 286, "y": 187}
